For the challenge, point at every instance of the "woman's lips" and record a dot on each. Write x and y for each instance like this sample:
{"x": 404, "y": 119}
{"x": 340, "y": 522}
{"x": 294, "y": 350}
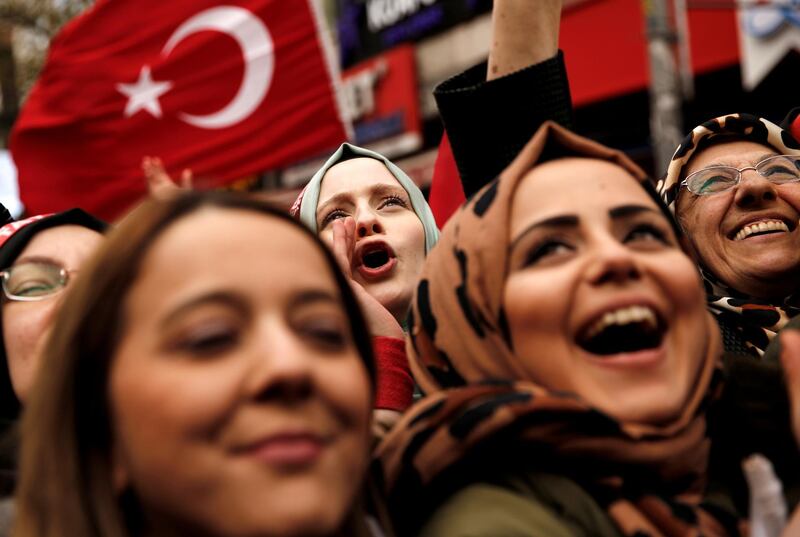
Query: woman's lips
{"x": 378, "y": 273}
{"x": 288, "y": 450}
{"x": 641, "y": 359}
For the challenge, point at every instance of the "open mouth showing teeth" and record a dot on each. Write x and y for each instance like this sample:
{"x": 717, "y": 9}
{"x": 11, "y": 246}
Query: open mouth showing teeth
{"x": 375, "y": 257}
{"x": 630, "y": 329}
{"x": 761, "y": 228}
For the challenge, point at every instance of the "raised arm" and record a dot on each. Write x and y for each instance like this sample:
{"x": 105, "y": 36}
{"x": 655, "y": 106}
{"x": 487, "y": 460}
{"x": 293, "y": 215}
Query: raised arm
{"x": 524, "y": 33}
{"x": 490, "y": 111}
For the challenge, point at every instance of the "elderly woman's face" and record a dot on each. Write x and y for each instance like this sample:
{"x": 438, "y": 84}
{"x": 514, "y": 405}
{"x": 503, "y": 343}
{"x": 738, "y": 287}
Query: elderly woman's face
{"x": 240, "y": 404}
{"x": 25, "y": 324}
{"x": 600, "y": 300}
{"x": 390, "y": 240}
{"x": 765, "y": 263}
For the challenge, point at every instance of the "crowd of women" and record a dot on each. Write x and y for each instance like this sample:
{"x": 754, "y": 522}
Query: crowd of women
{"x": 581, "y": 350}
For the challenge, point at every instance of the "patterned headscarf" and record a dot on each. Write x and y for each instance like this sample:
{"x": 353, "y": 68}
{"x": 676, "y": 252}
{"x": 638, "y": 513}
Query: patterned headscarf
{"x": 757, "y": 321}
{"x": 477, "y": 391}
{"x": 305, "y": 206}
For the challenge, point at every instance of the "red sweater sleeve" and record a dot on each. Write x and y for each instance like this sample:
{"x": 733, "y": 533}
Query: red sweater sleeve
{"x": 395, "y": 389}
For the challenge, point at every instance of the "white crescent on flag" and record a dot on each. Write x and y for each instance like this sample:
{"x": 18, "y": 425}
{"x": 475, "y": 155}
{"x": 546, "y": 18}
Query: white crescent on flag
{"x": 257, "y": 48}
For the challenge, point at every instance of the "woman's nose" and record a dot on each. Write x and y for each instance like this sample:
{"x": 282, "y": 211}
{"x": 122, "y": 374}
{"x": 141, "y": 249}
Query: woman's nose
{"x": 281, "y": 366}
{"x": 753, "y": 190}
{"x": 613, "y": 262}
{"x": 368, "y": 224}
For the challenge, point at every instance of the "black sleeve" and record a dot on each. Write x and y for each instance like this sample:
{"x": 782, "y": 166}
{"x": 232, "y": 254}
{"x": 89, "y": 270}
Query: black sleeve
{"x": 488, "y": 123}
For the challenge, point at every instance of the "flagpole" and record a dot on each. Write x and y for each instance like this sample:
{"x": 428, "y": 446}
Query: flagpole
{"x": 666, "y": 99}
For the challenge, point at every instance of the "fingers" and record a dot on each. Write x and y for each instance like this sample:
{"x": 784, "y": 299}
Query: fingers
{"x": 341, "y": 248}
{"x": 350, "y": 234}
{"x": 186, "y": 179}
{"x": 159, "y": 184}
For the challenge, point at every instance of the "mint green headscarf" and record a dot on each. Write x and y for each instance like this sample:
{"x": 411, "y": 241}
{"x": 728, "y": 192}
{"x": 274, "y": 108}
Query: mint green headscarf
{"x": 309, "y": 198}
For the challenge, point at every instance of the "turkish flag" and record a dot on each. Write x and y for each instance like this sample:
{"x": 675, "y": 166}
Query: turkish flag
{"x": 224, "y": 89}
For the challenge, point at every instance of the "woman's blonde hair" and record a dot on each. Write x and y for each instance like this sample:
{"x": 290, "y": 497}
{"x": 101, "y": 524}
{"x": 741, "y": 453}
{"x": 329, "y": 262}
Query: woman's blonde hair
{"x": 66, "y": 484}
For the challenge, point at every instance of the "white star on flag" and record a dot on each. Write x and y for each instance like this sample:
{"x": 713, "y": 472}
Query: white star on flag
{"x": 144, "y": 94}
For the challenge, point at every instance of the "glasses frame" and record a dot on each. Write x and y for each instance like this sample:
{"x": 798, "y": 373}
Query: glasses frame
{"x": 685, "y": 182}
{"x": 5, "y": 274}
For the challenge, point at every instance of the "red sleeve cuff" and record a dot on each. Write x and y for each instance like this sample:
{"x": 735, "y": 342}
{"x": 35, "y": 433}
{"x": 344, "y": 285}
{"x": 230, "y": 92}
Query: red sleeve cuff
{"x": 395, "y": 387}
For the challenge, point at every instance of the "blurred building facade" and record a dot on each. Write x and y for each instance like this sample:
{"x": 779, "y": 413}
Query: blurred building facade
{"x": 394, "y": 52}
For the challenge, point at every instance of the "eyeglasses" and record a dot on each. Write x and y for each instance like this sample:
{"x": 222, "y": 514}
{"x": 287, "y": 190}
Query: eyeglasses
{"x": 28, "y": 282}
{"x": 779, "y": 169}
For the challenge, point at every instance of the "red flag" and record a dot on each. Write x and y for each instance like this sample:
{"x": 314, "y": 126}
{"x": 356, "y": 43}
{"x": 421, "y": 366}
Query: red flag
{"x": 447, "y": 194}
{"x": 794, "y": 125}
{"x": 227, "y": 90}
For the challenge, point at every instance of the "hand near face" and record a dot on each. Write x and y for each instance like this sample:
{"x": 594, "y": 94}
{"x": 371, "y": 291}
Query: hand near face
{"x": 379, "y": 321}
{"x": 159, "y": 184}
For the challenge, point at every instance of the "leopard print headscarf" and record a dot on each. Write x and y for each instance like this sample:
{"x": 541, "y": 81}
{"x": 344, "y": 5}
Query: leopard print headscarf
{"x": 649, "y": 478}
{"x": 757, "y": 321}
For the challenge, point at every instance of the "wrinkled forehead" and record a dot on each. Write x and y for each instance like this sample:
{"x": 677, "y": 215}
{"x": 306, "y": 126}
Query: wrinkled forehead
{"x": 736, "y": 153}
{"x": 357, "y": 177}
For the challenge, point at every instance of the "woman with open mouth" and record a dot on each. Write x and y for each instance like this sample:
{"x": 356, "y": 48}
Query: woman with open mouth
{"x": 561, "y": 336}
{"x": 209, "y": 374}
{"x": 380, "y": 228}
{"x": 734, "y": 186}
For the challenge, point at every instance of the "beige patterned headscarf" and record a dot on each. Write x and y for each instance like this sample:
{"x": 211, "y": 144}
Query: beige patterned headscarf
{"x": 477, "y": 393}
{"x": 756, "y": 321}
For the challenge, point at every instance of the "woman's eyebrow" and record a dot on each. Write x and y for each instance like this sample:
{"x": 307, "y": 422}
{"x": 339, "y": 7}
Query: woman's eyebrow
{"x": 337, "y": 199}
{"x": 36, "y": 259}
{"x": 382, "y": 189}
{"x": 560, "y": 221}
{"x": 724, "y": 161}
{"x": 222, "y": 298}
{"x": 314, "y": 296}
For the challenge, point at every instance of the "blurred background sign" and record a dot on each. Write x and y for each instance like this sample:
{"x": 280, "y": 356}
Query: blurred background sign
{"x": 367, "y": 27}
{"x": 381, "y": 99}
{"x": 768, "y": 32}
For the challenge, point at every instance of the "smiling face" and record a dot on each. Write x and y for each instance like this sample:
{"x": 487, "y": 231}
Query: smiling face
{"x": 390, "y": 239}
{"x": 237, "y": 377}
{"x": 600, "y": 300}
{"x": 25, "y": 324}
{"x": 747, "y": 236}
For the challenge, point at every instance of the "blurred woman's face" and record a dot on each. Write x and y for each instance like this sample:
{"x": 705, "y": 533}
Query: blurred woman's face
{"x": 600, "y": 300}
{"x": 747, "y": 236}
{"x": 240, "y": 403}
{"x": 25, "y": 324}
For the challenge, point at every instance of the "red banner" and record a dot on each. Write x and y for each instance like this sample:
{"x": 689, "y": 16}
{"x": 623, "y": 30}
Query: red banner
{"x": 227, "y": 90}
{"x": 605, "y": 46}
{"x": 383, "y": 97}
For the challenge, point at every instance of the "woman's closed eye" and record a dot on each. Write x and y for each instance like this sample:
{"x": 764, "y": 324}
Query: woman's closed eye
{"x": 335, "y": 214}
{"x": 547, "y": 250}
{"x": 207, "y": 339}
{"x": 392, "y": 201}
{"x": 648, "y": 234}
{"x": 323, "y": 332}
